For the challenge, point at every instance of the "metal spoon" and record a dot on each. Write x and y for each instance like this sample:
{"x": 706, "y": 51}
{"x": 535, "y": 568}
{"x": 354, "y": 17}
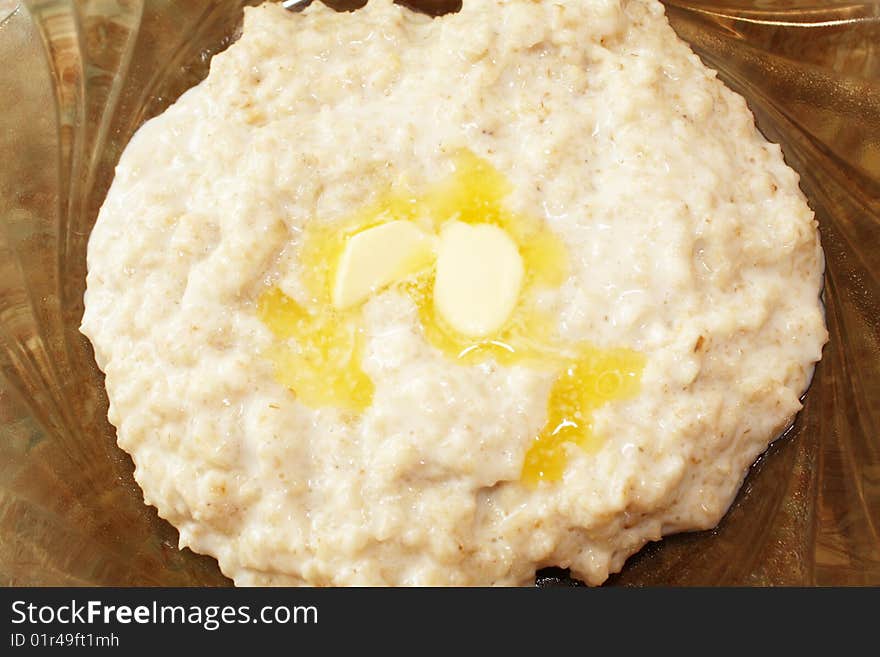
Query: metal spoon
{"x": 296, "y": 5}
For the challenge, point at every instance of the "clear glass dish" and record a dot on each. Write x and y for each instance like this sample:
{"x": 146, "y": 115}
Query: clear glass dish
{"x": 79, "y": 76}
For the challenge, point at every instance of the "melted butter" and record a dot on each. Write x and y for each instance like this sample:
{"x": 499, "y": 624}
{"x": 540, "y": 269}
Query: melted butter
{"x": 322, "y": 363}
{"x": 594, "y": 378}
{"x": 319, "y": 350}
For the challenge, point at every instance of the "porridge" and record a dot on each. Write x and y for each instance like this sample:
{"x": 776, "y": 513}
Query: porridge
{"x": 393, "y": 300}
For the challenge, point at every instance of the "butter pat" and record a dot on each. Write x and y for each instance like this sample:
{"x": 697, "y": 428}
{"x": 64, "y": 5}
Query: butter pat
{"x": 377, "y": 257}
{"x": 479, "y": 278}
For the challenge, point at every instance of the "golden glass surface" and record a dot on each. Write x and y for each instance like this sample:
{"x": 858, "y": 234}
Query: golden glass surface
{"x": 79, "y": 76}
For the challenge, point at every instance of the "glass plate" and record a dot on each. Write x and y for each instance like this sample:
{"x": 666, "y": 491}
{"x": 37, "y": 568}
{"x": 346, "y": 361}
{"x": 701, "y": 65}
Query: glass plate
{"x": 79, "y": 76}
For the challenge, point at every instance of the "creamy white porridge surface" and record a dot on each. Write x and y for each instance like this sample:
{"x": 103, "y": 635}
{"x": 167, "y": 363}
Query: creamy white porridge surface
{"x": 687, "y": 239}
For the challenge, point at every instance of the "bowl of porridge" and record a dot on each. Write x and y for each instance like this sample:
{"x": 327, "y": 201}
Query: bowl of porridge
{"x": 490, "y": 294}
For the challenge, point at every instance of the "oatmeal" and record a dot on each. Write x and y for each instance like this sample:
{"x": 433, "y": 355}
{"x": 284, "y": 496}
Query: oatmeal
{"x": 397, "y": 300}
